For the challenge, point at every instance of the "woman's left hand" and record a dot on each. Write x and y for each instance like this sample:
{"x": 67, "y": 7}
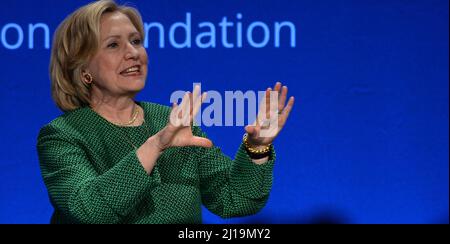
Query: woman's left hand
{"x": 272, "y": 116}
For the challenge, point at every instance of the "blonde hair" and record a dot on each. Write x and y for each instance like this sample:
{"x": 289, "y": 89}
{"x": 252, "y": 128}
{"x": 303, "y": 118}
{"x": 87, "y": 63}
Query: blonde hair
{"x": 75, "y": 41}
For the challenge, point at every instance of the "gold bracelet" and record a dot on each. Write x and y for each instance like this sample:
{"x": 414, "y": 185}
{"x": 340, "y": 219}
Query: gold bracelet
{"x": 265, "y": 150}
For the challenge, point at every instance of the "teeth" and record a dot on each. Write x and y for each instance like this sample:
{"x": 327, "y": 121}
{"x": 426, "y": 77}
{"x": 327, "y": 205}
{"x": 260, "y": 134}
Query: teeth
{"x": 132, "y": 69}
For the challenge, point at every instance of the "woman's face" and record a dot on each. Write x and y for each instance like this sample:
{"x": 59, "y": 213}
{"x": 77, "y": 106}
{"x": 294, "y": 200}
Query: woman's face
{"x": 120, "y": 65}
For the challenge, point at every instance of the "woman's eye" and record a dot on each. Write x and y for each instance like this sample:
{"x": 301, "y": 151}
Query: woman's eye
{"x": 137, "y": 42}
{"x": 113, "y": 45}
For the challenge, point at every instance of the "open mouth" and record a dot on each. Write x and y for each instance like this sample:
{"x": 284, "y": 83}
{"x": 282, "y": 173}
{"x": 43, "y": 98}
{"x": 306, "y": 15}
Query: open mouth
{"x": 131, "y": 71}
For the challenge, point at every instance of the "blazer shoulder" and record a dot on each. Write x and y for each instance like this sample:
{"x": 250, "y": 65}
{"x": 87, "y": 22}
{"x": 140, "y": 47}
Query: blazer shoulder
{"x": 154, "y": 107}
{"x": 62, "y": 125}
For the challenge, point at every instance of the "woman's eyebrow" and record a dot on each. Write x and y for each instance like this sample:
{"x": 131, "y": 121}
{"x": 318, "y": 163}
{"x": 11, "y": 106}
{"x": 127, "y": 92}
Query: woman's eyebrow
{"x": 135, "y": 33}
{"x": 112, "y": 36}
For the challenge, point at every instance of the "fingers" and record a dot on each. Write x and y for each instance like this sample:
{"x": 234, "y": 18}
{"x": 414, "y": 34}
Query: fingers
{"x": 185, "y": 108}
{"x": 267, "y": 109}
{"x": 282, "y": 98}
{"x": 287, "y": 111}
{"x": 282, "y": 94}
{"x": 194, "y": 99}
{"x": 179, "y": 114}
{"x": 274, "y": 98}
{"x": 197, "y": 100}
{"x": 201, "y": 142}
{"x": 204, "y": 96}
{"x": 288, "y": 107}
{"x": 174, "y": 120}
{"x": 268, "y": 105}
{"x": 273, "y": 111}
{"x": 250, "y": 129}
{"x": 190, "y": 105}
{"x": 198, "y": 104}
{"x": 196, "y": 91}
{"x": 277, "y": 87}
{"x": 283, "y": 91}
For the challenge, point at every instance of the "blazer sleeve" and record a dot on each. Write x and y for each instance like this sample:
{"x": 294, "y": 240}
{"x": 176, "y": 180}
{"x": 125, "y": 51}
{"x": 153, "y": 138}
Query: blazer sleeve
{"x": 231, "y": 188}
{"x": 78, "y": 191}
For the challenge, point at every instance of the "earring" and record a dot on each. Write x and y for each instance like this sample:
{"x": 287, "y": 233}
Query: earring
{"x": 88, "y": 78}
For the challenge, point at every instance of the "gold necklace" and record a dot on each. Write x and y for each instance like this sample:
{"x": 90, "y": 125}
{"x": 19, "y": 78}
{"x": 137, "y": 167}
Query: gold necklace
{"x": 122, "y": 127}
{"x": 134, "y": 117}
{"x": 130, "y": 122}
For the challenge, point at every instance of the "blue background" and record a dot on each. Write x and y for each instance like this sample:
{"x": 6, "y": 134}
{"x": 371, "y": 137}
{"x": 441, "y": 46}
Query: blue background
{"x": 367, "y": 141}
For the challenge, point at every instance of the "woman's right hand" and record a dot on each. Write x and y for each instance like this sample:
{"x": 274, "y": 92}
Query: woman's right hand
{"x": 178, "y": 132}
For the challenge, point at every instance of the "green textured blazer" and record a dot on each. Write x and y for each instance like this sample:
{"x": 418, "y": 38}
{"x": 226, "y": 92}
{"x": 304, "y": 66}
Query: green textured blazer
{"x": 93, "y": 175}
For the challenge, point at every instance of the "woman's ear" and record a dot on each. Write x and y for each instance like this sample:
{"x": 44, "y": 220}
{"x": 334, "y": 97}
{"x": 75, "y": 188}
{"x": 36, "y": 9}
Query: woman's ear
{"x": 87, "y": 77}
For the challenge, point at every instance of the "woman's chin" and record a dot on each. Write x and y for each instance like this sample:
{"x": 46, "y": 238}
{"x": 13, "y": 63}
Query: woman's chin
{"x": 134, "y": 81}
{"x": 138, "y": 86}
{"x": 134, "y": 87}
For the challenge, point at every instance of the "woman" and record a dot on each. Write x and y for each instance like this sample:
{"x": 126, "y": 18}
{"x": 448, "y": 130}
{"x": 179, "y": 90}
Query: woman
{"x": 110, "y": 159}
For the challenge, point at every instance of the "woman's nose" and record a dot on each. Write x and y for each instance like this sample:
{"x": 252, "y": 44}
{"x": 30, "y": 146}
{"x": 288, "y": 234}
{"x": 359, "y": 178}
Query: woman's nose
{"x": 131, "y": 52}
